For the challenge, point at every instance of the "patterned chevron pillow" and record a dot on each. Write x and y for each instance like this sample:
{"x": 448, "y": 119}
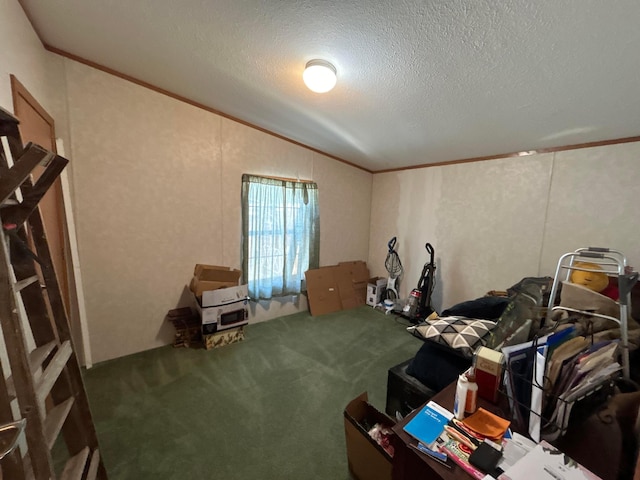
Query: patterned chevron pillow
{"x": 460, "y": 333}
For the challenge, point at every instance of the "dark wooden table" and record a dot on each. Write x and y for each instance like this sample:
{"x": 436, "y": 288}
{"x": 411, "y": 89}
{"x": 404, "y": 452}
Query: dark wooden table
{"x": 594, "y": 443}
{"x": 409, "y": 464}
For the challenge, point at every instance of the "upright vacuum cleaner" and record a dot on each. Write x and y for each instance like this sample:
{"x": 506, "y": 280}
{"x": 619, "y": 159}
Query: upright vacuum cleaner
{"x": 394, "y": 267}
{"x": 420, "y": 298}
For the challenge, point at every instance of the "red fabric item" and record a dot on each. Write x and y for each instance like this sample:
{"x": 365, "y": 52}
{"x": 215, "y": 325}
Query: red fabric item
{"x": 611, "y": 291}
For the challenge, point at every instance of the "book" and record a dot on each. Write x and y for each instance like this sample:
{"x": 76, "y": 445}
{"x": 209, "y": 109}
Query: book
{"x": 436, "y": 455}
{"x": 520, "y": 361}
{"x": 460, "y": 454}
{"x": 545, "y": 462}
{"x": 535, "y": 419}
{"x": 428, "y": 423}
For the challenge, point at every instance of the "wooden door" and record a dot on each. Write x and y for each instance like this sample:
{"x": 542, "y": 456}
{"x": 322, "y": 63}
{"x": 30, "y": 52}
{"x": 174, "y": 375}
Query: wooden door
{"x": 37, "y": 126}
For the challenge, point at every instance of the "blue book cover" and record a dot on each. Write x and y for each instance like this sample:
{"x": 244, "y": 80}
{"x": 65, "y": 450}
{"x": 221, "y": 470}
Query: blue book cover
{"x": 428, "y": 423}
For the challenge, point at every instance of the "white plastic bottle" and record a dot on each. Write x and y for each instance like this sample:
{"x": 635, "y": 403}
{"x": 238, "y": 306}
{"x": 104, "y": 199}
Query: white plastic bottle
{"x": 471, "y": 403}
{"x": 461, "y": 397}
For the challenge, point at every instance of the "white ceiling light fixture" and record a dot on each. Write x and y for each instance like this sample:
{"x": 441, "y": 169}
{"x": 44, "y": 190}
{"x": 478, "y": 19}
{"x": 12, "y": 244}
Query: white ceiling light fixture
{"x": 319, "y": 76}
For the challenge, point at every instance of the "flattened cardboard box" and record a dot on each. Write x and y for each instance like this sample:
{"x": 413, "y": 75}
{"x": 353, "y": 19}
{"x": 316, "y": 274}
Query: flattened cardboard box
{"x": 322, "y": 291}
{"x": 367, "y": 460}
{"x": 352, "y": 283}
{"x": 337, "y": 287}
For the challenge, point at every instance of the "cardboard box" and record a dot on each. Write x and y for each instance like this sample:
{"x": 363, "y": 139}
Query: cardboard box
{"x": 376, "y": 287}
{"x": 213, "y": 277}
{"x": 226, "y": 337}
{"x": 221, "y": 317}
{"x": 337, "y": 287}
{"x": 367, "y": 460}
{"x": 322, "y": 291}
{"x": 488, "y": 373}
{"x": 221, "y": 296}
{"x": 231, "y": 311}
{"x": 352, "y": 283}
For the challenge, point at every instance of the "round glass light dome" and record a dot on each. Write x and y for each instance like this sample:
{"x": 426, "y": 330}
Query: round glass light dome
{"x": 319, "y": 76}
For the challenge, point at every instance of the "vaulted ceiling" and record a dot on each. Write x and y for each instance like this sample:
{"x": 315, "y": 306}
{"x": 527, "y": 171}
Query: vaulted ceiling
{"x": 419, "y": 82}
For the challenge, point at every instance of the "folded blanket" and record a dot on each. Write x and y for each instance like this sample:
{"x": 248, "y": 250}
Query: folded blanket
{"x": 581, "y": 298}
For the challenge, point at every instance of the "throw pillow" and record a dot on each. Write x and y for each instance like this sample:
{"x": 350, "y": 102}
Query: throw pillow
{"x": 459, "y": 333}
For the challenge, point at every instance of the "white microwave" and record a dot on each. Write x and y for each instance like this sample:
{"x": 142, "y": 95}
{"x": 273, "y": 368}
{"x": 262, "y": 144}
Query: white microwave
{"x": 222, "y": 317}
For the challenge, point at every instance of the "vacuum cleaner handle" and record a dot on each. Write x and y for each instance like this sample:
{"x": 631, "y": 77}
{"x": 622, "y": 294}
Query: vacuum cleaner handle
{"x": 430, "y": 251}
{"x": 392, "y": 244}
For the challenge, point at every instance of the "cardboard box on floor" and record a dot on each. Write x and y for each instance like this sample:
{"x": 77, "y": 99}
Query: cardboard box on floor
{"x": 337, "y": 287}
{"x": 376, "y": 287}
{"x": 225, "y": 337}
{"x": 367, "y": 460}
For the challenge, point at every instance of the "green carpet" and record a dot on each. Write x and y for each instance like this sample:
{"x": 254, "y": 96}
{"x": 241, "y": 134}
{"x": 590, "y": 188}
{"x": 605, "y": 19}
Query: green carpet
{"x": 269, "y": 407}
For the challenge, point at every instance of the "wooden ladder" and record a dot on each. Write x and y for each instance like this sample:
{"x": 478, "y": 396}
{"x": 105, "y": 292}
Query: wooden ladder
{"x": 45, "y": 375}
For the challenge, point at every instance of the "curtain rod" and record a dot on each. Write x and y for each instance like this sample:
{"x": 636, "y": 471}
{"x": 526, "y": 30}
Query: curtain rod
{"x": 285, "y": 179}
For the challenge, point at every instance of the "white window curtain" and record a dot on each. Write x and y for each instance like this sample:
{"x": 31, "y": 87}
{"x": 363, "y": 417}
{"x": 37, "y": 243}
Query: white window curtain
{"x": 280, "y": 234}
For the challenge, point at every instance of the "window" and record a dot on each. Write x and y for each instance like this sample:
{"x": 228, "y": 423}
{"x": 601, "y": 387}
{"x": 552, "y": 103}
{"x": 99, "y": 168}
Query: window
{"x": 280, "y": 234}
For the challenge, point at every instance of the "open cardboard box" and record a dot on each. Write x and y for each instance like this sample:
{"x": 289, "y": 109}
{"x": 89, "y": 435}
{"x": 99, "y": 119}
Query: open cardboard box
{"x": 213, "y": 277}
{"x": 367, "y": 460}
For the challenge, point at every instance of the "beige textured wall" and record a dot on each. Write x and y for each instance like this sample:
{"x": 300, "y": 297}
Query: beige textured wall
{"x": 593, "y": 201}
{"x": 23, "y": 55}
{"x": 157, "y": 189}
{"x": 494, "y": 222}
{"x": 42, "y": 73}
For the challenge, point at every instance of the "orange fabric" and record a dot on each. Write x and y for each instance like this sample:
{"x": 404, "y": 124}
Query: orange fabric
{"x": 487, "y": 424}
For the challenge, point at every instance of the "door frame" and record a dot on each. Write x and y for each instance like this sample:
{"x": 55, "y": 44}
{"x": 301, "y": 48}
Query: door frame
{"x": 74, "y": 294}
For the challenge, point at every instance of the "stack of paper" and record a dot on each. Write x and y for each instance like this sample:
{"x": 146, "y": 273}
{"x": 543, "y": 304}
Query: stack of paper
{"x": 515, "y": 448}
{"x": 547, "y": 462}
{"x": 580, "y": 375}
{"x": 545, "y": 378}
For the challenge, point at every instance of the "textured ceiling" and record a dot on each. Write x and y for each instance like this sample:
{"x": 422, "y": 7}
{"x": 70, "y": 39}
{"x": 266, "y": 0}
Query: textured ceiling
{"x": 418, "y": 81}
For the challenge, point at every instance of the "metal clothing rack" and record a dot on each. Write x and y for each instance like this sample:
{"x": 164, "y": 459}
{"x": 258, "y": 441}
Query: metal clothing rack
{"x": 612, "y": 263}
